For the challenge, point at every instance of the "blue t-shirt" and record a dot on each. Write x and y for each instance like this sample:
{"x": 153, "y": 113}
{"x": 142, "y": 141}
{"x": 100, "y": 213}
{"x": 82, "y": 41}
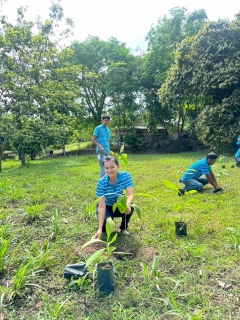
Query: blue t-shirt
{"x": 237, "y": 155}
{"x": 103, "y": 135}
{"x": 196, "y": 170}
{"x": 238, "y": 141}
{"x": 111, "y": 192}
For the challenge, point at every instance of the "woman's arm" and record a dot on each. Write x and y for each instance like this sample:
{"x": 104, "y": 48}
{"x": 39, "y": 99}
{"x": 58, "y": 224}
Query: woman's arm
{"x": 129, "y": 199}
{"x": 101, "y": 216}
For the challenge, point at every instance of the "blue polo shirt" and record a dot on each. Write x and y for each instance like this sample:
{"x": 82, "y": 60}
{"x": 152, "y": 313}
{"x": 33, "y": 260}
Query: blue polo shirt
{"x": 111, "y": 192}
{"x": 238, "y": 141}
{"x": 103, "y": 135}
{"x": 196, "y": 170}
{"x": 237, "y": 155}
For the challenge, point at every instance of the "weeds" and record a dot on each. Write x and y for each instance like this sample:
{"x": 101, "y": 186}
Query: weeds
{"x": 33, "y": 211}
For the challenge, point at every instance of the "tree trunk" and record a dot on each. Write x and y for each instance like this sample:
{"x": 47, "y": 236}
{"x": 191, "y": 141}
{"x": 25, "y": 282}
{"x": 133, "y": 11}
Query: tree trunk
{"x": 64, "y": 148}
{"x": 22, "y": 155}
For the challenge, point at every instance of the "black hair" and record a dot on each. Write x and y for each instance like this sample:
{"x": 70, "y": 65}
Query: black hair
{"x": 106, "y": 116}
{"x": 110, "y": 158}
{"x": 212, "y": 156}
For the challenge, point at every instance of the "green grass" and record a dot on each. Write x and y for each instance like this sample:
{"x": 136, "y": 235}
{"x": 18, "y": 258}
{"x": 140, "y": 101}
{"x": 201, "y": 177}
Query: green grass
{"x": 75, "y": 147}
{"x": 44, "y": 223}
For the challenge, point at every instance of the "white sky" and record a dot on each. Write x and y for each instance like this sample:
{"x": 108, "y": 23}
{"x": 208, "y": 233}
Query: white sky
{"x": 127, "y": 20}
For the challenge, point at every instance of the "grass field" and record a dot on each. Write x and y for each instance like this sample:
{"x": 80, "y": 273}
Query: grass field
{"x": 44, "y": 225}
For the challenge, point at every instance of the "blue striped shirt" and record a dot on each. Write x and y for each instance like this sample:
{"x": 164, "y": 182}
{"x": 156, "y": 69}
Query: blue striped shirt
{"x": 237, "y": 155}
{"x": 111, "y": 192}
{"x": 196, "y": 170}
{"x": 238, "y": 140}
{"x": 103, "y": 135}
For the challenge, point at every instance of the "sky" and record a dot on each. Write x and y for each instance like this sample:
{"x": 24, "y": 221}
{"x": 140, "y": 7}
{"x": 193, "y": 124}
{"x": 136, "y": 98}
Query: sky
{"x": 127, "y": 20}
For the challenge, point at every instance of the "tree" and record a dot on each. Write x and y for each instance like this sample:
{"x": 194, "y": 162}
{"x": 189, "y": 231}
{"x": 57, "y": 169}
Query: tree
{"x": 34, "y": 83}
{"x": 163, "y": 42}
{"x": 206, "y": 73}
{"x": 179, "y": 94}
{"x": 105, "y": 81}
{"x": 216, "y": 70}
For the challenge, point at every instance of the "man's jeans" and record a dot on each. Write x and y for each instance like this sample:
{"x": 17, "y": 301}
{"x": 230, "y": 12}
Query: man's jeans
{"x": 192, "y": 184}
{"x": 237, "y": 161}
{"x": 101, "y": 156}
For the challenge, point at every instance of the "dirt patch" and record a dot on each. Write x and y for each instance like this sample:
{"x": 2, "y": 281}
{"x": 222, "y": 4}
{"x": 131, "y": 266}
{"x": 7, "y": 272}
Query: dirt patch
{"x": 147, "y": 254}
{"x": 89, "y": 250}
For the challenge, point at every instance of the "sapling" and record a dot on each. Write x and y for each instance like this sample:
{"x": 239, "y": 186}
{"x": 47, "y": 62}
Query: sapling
{"x": 104, "y": 253}
{"x": 121, "y": 155}
{"x": 181, "y": 227}
{"x": 186, "y": 202}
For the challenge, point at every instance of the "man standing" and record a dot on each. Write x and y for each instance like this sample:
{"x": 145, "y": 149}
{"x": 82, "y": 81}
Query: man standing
{"x": 101, "y": 138}
{"x": 192, "y": 177}
{"x": 238, "y": 142}
{"x": 237, "y": 158}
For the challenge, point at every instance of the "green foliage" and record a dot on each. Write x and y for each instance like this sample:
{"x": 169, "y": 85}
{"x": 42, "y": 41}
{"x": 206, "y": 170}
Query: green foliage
{"x": 131, "y": 140}
{"x": 121, "y": 155}
{"x": 37, "y": 107}
{"x": 163, "y": 42}
{"x": 4, "y": 246}
{"x": 106, "y": 252}
{"x": 152, "y": 271}
{"x": 106, "y": 81}
{"x": 121, "y": 204}
{"x": 33, "y": 211}
{"x": 56, "y": 218}
{"x": 53, "y": 310}
{"x": 204, "y": 83}
{"x": 187, "y": 203}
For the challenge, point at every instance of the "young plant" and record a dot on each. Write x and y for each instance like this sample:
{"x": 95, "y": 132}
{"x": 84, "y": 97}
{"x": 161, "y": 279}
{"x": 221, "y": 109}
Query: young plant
{"x": 5, "y": 240}
{"x": 33, "y": 211}
{"x": 121, "y": 156}
{"x": 53, "y": 311}
{"x": 152, "y": 270}
{"x": 24, "y": 276}
{"x": 187, "y": 202}
{"x": 4, "y": 245}
{"x": 106, "y": 252}
{"x": 88, "y": 210}
{"x": 56, "y": 218}
{"x": 121, "y": 203}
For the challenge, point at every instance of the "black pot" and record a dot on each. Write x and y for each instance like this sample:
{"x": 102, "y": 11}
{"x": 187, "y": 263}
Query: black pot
{"x": 181, "y": 228}
{"x": 75, "y": 271}
{"x": 105, "y": 277}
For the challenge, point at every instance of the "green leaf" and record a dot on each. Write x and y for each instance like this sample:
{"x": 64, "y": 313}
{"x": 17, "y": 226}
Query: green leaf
{"x": 110, "y": 227}
{"x": 91, "y": 242}
{"x": 110, "y": 250}
{"x": 113, "y": 239}
{"x": 138, "y": 211}
{"x": 94, "y": 256}
{"x": 170, "y": 185}
{"x": 121, "y": 204}
{"x": 122, "y": 149}
{"x": 115, "y": 206}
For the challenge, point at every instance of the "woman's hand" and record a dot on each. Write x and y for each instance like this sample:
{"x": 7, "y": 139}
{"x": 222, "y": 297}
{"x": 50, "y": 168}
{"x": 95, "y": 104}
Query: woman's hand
{"x": 98, "y": 234}
{"x": 128, "y": 210}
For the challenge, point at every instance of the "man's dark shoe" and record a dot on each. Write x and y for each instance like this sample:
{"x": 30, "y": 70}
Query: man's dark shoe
{"x": 181, "y": 192}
